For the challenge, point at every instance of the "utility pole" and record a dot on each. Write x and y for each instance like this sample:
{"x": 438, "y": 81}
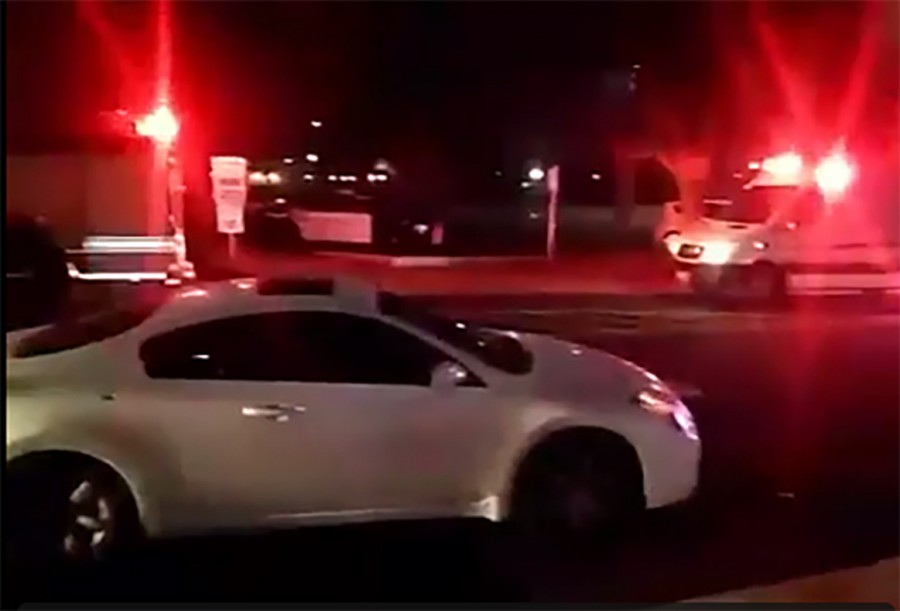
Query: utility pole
{"x": 552, "y": 209}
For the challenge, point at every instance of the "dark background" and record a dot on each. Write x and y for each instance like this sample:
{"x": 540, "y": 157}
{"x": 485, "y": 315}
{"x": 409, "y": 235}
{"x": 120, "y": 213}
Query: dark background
{"x": 473, "y": 86}
{"x": 252, "y": 75}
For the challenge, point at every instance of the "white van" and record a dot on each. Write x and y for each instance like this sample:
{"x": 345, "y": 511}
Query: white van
{"x": 793, "y": 229}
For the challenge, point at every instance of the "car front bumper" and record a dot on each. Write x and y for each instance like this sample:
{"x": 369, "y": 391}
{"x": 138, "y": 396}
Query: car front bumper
{"x": 670, "y": 476}
{"x": 704, "y": 276}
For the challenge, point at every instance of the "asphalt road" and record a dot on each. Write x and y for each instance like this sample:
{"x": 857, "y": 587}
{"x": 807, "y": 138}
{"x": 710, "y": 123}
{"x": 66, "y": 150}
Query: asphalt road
{"x": 800, "y": 476}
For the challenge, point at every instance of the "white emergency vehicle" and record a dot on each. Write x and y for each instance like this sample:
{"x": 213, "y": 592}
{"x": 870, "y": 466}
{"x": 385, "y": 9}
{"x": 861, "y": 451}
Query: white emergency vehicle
{"x": 113, "y": 200}
{"x": 800, "y": 224}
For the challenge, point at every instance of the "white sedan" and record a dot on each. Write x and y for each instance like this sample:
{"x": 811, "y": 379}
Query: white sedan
{"x": 271, "y": 403}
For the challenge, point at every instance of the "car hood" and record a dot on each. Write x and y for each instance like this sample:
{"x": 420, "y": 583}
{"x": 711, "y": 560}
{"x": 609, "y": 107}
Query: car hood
{"x": 574, "y": 373}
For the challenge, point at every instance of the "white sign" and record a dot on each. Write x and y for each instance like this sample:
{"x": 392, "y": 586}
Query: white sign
{"x": 229, "y": 191}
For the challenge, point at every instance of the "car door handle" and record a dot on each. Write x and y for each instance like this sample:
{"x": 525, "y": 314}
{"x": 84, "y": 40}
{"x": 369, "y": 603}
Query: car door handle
{"x": 276, "y": 412}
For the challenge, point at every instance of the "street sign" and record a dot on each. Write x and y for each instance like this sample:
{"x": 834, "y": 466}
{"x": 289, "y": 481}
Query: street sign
{"x": 229, "y": 190}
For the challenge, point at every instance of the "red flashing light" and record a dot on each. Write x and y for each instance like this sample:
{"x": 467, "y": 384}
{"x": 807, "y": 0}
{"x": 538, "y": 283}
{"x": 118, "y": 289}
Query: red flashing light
{"x": 160, "y": 125}
{"x": 834, "y": 174}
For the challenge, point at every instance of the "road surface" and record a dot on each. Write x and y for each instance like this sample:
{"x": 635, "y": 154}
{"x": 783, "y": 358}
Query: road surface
{"x": 799, "y": 417}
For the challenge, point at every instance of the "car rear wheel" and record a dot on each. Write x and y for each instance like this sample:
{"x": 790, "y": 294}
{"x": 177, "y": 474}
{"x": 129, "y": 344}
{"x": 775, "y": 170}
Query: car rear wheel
{"x": 764, "y": 283}
{"x": 578, "y": 488}
{"x": 68, "y": 511}
{"x": 773, "y": 283}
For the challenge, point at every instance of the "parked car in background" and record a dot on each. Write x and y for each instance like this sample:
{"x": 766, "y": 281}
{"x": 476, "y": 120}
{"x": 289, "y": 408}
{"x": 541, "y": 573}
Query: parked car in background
{"x": 341, "y": 206}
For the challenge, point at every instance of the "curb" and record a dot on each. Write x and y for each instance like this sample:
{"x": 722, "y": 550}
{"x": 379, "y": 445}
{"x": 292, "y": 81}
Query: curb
{"x": 657, "y": 321}
{"x": 875, "y": 583}
{"x": 428, "y": 260}
{"x": 624, "y": 321}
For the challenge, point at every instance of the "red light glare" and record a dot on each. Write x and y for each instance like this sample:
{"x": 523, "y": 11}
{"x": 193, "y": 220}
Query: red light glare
{"x": 786, "y": 164}
{"x": 160, "y": 125}
{"x": 834, "y": 174}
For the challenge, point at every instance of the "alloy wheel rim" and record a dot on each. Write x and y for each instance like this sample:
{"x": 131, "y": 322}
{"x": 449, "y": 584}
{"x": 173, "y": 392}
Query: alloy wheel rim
{"x": 89, "y": 528}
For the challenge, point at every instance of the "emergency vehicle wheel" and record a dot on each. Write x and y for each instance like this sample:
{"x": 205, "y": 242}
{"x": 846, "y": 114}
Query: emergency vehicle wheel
{"x": 766, "y": 282}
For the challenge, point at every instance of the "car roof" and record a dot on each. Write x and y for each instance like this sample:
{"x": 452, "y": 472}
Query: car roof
{"x": 344, "y": 291}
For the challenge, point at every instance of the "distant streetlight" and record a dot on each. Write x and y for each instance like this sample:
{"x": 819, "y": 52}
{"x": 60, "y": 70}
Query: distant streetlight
{"x": 316, "y": 124}
{"x": 312, "y": 157}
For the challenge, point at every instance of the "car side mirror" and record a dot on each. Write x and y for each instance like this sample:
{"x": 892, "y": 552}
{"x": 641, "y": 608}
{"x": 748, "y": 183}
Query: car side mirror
{"x": 447, "y": 375}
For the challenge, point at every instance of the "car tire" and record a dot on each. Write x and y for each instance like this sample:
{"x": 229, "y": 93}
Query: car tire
{"x": 766, "y": 283}
{"x": 704, "y": 288}
{"x": 578, "y": 488}
{"x": 67, "y": 511}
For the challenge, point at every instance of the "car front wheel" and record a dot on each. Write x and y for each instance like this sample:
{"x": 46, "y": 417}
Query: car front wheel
{"x": 761, "y": 283}
{"x": 578, "y": 488}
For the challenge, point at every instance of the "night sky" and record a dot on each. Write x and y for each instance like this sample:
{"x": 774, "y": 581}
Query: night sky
{"x": 253, "y": 74}
{"x": 459, "y": 78}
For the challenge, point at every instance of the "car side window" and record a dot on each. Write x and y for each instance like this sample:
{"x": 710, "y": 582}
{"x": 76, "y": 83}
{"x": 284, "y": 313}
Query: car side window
{"x": 358, "y": 350}
{"x": 239, "y": 348}
{"x": 307, "y": 346}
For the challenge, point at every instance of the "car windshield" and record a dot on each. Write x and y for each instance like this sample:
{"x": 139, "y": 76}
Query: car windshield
{"x": 78, "y": 331}
{"x": 750, "y": 206}
{"x": 494, "y": 348}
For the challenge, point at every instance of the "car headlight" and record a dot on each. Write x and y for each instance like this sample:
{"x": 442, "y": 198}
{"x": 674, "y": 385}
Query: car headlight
{"x": 717, "y": 253}
{"x": 659, "y": 400}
